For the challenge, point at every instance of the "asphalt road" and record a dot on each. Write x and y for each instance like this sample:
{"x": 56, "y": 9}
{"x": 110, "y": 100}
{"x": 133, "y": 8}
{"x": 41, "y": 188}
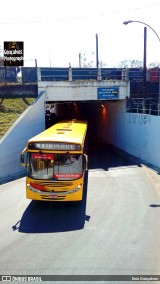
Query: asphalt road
{"x": 114, "y": 231}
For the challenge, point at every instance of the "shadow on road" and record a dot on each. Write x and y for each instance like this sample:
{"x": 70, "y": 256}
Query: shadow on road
{"x": 105, "y": 156}
{"x": 154, "y": 205}
{"x": 46, "y": 217}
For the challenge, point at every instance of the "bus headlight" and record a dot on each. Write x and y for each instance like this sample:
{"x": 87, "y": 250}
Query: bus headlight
{"x": 32, "y": 188}
{"x": 75, "y": 189}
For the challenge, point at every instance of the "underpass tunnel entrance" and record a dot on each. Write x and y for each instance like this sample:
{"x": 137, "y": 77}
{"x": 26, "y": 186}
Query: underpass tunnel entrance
{"x": 93, "y": 112}
{"x": 101, "y": 117}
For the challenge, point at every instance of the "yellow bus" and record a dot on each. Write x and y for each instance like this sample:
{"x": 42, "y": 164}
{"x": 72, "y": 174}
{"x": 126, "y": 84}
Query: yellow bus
{"x": 56, "y": 162}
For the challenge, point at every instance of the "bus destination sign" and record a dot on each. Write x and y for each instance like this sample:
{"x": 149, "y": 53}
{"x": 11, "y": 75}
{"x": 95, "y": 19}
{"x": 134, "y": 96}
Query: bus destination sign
{"x": 54, "y": 146}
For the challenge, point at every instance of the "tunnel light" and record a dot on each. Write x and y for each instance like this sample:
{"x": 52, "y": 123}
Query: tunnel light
{"x": 102, "y": 106}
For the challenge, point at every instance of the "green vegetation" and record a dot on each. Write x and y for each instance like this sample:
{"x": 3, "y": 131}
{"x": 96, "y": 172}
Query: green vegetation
{"x": 10, "y": 110}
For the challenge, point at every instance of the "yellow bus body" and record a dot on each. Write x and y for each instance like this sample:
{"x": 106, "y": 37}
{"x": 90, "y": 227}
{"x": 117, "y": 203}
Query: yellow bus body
{"x": 64, "y": 139}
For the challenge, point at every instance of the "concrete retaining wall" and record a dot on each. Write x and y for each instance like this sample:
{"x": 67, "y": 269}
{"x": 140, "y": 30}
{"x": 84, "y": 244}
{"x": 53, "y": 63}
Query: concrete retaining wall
{"x": 137, "y": 134}
{"x": 30, "y": 123}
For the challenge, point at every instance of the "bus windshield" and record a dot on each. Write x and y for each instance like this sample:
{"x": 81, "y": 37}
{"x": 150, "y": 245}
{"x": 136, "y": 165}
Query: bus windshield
{"x": 49, "y": 166}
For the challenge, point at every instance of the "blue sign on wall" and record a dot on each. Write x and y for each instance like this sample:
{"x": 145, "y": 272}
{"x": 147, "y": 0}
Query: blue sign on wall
{"x": 108, "y": 93}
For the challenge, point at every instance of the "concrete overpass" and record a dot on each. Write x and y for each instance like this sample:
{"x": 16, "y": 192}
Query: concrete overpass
{"x": 80, "y": 88}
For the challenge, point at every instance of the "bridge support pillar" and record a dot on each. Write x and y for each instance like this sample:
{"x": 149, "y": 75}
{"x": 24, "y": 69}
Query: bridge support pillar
{"x": 70, "y": 74}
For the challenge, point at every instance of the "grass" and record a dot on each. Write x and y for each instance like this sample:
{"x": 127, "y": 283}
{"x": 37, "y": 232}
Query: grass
{"x": 10, "y": 110}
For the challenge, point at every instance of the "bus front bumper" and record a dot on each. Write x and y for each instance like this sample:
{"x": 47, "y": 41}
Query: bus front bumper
{"x": 69, "y": 195}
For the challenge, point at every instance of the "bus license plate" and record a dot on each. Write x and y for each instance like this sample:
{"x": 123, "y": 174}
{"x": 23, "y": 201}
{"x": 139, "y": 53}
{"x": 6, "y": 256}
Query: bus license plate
{"x": 52, "y": 196}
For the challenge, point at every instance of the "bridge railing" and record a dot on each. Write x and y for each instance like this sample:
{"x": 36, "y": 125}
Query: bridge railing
{"x": 71, "y": 74}
{"x": 143, "y": 105}
{"x": 124, "y": 74}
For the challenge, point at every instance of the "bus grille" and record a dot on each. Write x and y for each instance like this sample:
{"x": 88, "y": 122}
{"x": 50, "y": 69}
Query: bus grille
{"x": 62, "y": 197}
{"x": 54, "y": 184}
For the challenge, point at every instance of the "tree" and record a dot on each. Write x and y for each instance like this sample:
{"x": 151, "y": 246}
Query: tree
{"x": 136, "y": 64}
{"x": 130, "y": 64}
{"x": 84, "y": 62}
{"x": 154, "y": 64}
{"x": 102, "y": 64}
{"x": 88, "y": 60}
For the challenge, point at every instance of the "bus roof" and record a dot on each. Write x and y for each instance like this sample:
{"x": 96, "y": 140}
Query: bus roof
{"x": 71, "y": 131}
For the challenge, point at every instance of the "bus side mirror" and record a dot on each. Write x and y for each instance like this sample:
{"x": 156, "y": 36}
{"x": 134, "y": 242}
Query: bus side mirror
{"x": 85, "y": 162}
{"x": 24, "y": 158}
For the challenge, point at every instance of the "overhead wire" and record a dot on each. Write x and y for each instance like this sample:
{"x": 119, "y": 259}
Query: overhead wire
{"x": 80, "y": 17}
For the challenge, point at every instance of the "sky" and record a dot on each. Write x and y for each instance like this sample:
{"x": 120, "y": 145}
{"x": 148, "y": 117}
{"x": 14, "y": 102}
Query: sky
{"x": 55, "y": 32}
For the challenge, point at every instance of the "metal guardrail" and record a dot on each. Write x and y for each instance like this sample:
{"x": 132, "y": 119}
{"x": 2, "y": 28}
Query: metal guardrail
{"x": 65, "y": 74}
{"x": 124, "y": 74}
{"x": 143, "y": 105}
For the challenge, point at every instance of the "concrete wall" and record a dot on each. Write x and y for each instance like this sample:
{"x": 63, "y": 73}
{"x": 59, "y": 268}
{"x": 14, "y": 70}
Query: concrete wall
{"x": 137, "y": 134}
{"x": 81, "y": 90}
{"x": 30, "y": 123}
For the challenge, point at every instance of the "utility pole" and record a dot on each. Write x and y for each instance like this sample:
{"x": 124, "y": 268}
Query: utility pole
{"x": 145, "y": 64}
{"x": 80, "y": 63}
{"x": 97, "y": 61}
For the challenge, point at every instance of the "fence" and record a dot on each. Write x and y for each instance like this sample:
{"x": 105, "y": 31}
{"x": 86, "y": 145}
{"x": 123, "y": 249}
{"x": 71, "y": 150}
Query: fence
{"x": 143, "y": 105}
{"x": 18, "y": 82}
